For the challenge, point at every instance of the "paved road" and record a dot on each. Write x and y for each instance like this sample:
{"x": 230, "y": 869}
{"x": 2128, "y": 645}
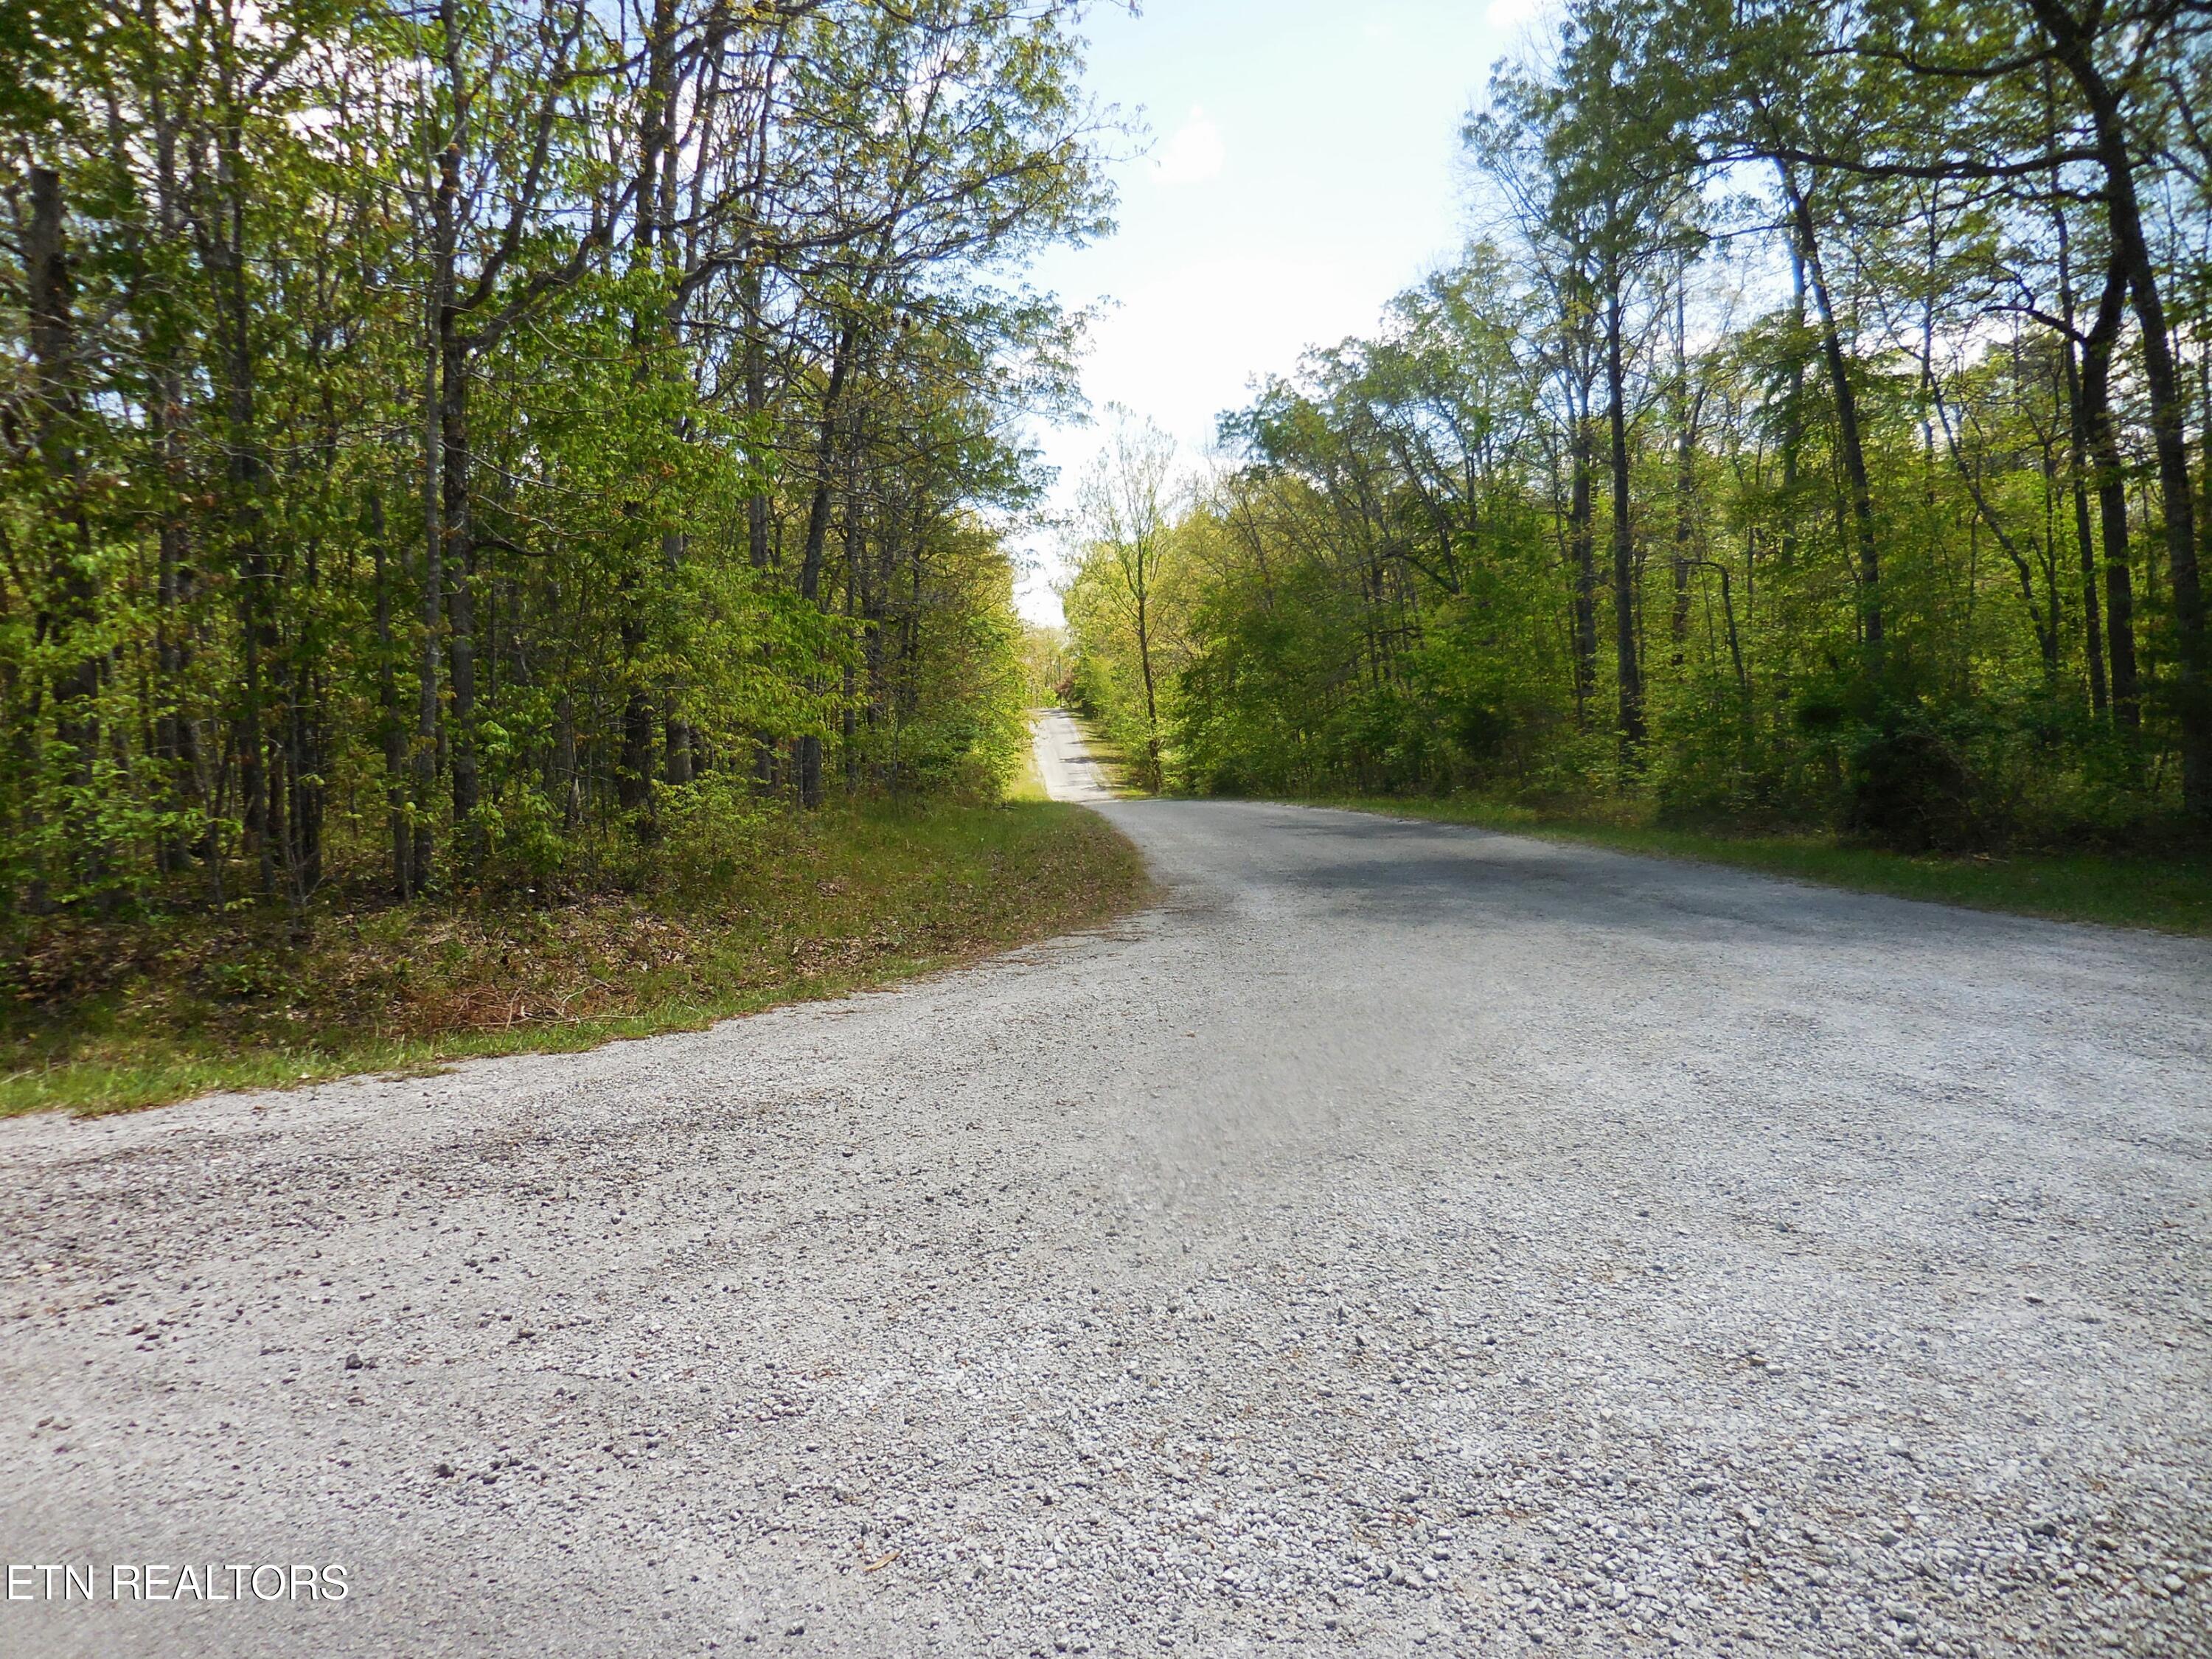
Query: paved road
{"x": 1401, "y": 1239}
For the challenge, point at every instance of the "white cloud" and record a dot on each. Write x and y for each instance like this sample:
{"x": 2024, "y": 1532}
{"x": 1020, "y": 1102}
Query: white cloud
{"x": 1513, "y": 17}
{"x": 1186, "y": 345}
{"x": 1194, "y": 154}
{"x": 1182, "y": 345}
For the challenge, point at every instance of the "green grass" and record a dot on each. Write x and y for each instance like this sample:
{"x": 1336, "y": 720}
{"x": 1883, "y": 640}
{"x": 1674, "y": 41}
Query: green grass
{"x": 1028, "y": 786}
{"x": 112, "y": 1017}
{"x": 2173, "y": 896}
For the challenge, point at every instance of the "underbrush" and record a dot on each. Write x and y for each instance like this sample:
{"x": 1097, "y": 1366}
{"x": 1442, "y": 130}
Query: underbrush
{"x": 720, "y": 918}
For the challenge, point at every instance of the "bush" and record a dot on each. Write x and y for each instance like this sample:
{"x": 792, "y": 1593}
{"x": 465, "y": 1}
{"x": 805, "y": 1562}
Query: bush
{"x": 710, "y": 832}
{"x": 1911, "y": 789}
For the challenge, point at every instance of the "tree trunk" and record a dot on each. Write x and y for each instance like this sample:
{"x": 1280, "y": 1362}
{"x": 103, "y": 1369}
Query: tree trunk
{"x": 2077, "y": 430}
{"x": 565, "y": 781}
{"x": 1793, "y": 412}
{"x": 387, "y": 710}
{"x": 2102, "y": 437}
{"x": 50, "y": 297}
{"x": 756, "y": 377}
{"x": 1685, "y": 484}
{"x": 2093, "y": 627}
{"x": 429, "y": 706}
{"x": 818, "y": 529}
{"x": 2074, "y": 48}
{"x": 222, "y": 237}
{"x": 1151, "y": 703}
{"x": 1582, "y": 550}
{"x": 1849, "y": 445}
{"x": 634, "y": 776}
{"x": 1631, "y": 671}
{"x": 459, "y": 562}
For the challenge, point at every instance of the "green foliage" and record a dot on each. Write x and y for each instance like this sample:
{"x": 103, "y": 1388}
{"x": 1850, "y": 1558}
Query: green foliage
{"x": 1046, "y": 665}
{"x": 424, "y": 470}
{"x": 1756, "y": 467}
{"x": 963, "y": 727}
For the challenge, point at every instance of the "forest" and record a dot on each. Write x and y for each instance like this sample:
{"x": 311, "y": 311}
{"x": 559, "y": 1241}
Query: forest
{"x": 449, "y": 444}
{"x": 1816, "y": 432}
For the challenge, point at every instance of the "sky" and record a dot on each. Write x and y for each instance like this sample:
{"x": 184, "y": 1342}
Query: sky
{"x": 1301, "y": 167}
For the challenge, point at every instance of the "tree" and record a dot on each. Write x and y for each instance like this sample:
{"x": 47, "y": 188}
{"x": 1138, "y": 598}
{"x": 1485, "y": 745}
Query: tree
{"x": 1921, "y": 438}
{"x": 434, "y": 437}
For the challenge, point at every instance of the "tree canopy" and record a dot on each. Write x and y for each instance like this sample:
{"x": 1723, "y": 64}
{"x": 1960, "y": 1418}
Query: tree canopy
{"x": 441, "y": 436}
{"x": 1818, "y": 429}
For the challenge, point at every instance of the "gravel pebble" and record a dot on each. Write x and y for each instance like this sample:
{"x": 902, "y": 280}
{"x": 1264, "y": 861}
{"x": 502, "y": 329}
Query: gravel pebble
{"x": 1534, "y": 1250}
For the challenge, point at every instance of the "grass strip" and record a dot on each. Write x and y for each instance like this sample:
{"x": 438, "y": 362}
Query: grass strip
{"x": 829, "y": 904}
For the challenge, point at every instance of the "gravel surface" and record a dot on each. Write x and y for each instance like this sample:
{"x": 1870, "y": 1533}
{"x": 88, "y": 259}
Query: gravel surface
{"x": 1063, "y": 762}
{"x": 1404, "y": 1238}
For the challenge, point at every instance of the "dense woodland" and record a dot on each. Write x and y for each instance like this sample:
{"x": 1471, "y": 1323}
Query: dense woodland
{"x": 446, "y": 442}
{"x": 1817, "y": 431}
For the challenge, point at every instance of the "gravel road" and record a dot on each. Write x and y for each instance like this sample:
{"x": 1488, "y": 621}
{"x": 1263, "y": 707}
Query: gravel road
{"x": 1402, "y": 1238}
{"x": 1063, "y": 762}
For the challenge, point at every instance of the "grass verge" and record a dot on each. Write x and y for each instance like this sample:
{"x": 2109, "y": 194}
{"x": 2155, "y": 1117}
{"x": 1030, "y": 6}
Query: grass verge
{"x": 114, "y": 1017}
{"x": 2173, "y": 896}
{"x": 1028, "y": 784}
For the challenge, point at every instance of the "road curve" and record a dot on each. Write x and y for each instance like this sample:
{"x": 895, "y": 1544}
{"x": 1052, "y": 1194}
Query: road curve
{"x": 1402, "y": 1238}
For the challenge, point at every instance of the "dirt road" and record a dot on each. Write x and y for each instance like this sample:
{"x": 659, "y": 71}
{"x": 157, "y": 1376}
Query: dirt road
{"x": 1403, "y": 1238}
